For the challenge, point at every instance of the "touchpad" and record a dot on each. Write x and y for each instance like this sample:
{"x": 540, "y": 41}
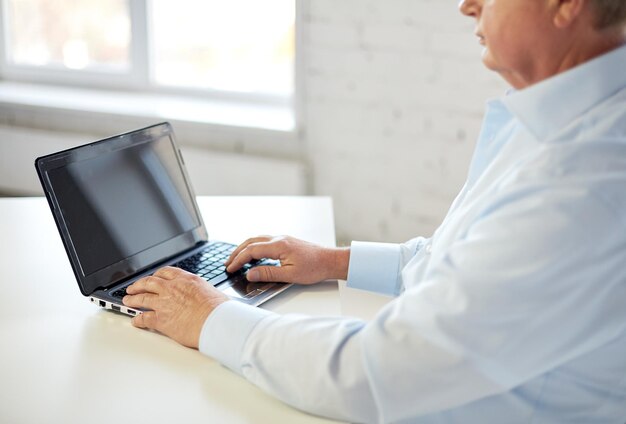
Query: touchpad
{"x": 240, "y": 287}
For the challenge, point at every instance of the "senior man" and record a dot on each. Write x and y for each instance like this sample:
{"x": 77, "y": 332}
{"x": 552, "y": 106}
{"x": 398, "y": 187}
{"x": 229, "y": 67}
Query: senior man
{"x": 515, "y": 310}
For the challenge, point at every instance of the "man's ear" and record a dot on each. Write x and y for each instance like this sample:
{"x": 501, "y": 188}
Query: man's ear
{"x": 568, "y": 11}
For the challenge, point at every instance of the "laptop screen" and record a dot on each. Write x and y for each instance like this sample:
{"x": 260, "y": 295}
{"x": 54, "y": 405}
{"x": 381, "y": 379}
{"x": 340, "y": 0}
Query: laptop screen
{"x": 124, "y": 204}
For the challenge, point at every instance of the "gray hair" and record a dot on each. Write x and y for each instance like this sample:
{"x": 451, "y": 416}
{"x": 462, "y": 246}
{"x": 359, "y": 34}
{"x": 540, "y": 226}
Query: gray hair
{"x": 609, "y": 13}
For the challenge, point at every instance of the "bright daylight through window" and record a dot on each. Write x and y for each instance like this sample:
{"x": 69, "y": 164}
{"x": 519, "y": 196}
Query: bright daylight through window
{"x": 73, "y": 34}
{"x": 243, "y": 46}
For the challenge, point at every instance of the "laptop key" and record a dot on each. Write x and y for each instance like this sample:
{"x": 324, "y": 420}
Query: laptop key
{"x": 219, "y": 279}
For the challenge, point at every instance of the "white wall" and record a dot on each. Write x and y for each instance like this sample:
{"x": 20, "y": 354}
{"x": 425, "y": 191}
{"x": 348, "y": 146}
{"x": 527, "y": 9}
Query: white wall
{"x": 211, "y": 172}
{"x": 394, "y": 94}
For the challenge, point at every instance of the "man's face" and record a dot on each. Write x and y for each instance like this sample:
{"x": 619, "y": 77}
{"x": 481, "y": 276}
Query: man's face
{"x": 514, "y": 33}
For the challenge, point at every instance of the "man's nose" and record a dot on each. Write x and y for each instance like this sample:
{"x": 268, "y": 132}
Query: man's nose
{"x": 470, "y": 7}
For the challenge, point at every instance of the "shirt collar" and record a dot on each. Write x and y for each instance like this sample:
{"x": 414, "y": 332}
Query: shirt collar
{"x": 548, "y": 106}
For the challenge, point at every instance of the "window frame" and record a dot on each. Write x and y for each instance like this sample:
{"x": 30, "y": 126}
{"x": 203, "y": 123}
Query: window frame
{"x": 138, "y": 78}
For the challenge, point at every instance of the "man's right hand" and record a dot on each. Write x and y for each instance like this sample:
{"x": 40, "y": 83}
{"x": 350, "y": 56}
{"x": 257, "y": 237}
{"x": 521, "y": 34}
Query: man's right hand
{"x": 301, "y": 262}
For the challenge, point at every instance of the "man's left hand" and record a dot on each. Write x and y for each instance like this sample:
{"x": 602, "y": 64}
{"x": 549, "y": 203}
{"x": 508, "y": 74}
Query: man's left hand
{"x": 179, "y": 302}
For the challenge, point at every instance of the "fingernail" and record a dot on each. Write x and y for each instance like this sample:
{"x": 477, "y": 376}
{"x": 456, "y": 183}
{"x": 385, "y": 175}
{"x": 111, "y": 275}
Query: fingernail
{"x": 124, "y": 299}
{"x": 252, "y": 275}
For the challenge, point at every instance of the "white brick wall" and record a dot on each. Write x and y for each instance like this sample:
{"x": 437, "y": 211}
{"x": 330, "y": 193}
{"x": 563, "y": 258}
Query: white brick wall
{"x": 395, "y": 91}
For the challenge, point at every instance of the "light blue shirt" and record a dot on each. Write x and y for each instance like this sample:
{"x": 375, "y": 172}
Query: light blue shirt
{"x": 513, "y": 312}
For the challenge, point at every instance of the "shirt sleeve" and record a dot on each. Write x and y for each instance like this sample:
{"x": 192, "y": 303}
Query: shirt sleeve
{"x": 377, "y": 267}
{"x": 226, "y": 330}
{"x": 502, "y": 305}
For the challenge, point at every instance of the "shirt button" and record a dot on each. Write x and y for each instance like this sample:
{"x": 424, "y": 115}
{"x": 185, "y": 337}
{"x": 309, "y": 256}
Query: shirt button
{"x": 428, "y": 248}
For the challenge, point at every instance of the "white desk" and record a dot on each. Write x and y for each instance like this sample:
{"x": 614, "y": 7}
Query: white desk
{"x": 63, "y": 360}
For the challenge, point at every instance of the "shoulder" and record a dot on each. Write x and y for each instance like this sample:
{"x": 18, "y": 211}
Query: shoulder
{"x": 584, "y": 178}
{"x": 588, "y": 155}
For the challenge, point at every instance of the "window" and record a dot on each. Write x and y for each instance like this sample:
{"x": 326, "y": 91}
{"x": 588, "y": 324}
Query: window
{"x": 236, "y": 48}
{"x": 71, "y": 34}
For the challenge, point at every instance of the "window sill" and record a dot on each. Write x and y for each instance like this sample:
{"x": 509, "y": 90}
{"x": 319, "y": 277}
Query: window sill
{"x": 164, "y": 107}
{"x": 228, "y": 126}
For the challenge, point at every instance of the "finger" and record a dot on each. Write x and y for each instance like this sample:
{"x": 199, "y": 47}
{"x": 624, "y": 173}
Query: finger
{"x": 281, "y": 274}
{"x": 168, "y": 272}
{"x": 151, "y": 284}
{"x": 145, "y": 320}
{"x": 141, "y": 300}
{"x": 255, "y": 251}
{"x": 244, "y": 245}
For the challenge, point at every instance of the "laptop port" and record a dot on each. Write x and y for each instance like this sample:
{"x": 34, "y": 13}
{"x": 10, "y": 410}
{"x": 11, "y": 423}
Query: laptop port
{"x": 116, "y": 308}
{"x": 102, "y": 303}
{"x": 131, "y": 312}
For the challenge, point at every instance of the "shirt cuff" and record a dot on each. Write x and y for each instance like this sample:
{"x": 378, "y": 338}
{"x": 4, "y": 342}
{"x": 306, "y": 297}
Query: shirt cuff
{"x": 374, "y": 267}
{"x": 226, "y": 331}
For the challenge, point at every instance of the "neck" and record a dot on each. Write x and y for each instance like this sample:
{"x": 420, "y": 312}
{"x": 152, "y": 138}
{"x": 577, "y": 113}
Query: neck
{"x": 570, "y": 51}
{"x": 590, "y": 46}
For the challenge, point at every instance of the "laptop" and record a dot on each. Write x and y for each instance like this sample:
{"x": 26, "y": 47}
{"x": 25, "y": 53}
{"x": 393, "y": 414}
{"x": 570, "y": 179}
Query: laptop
{"x": 124, "y": 207}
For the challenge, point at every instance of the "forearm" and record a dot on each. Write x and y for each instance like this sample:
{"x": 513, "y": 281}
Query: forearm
{"x": 351, "y": 370}
{"x": 319, "y": 371}
{"x": 322, "y": 372}
{"x": 339, "y": 258}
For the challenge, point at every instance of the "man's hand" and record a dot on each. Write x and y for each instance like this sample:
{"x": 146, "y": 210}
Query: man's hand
{"x": 301, "y": 262}
{"x": 180, "y": 302}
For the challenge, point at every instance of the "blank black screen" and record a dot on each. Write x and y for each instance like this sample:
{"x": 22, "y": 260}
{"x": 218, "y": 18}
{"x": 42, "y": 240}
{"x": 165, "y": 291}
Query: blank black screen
{"x": 123, "y": 202}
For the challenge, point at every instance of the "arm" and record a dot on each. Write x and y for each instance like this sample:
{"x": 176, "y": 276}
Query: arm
{"x": 518, "y": 295}
{"x": 367, "y": 266}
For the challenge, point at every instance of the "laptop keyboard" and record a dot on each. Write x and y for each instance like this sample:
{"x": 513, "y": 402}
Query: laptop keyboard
{"x": 209, "y": 264}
